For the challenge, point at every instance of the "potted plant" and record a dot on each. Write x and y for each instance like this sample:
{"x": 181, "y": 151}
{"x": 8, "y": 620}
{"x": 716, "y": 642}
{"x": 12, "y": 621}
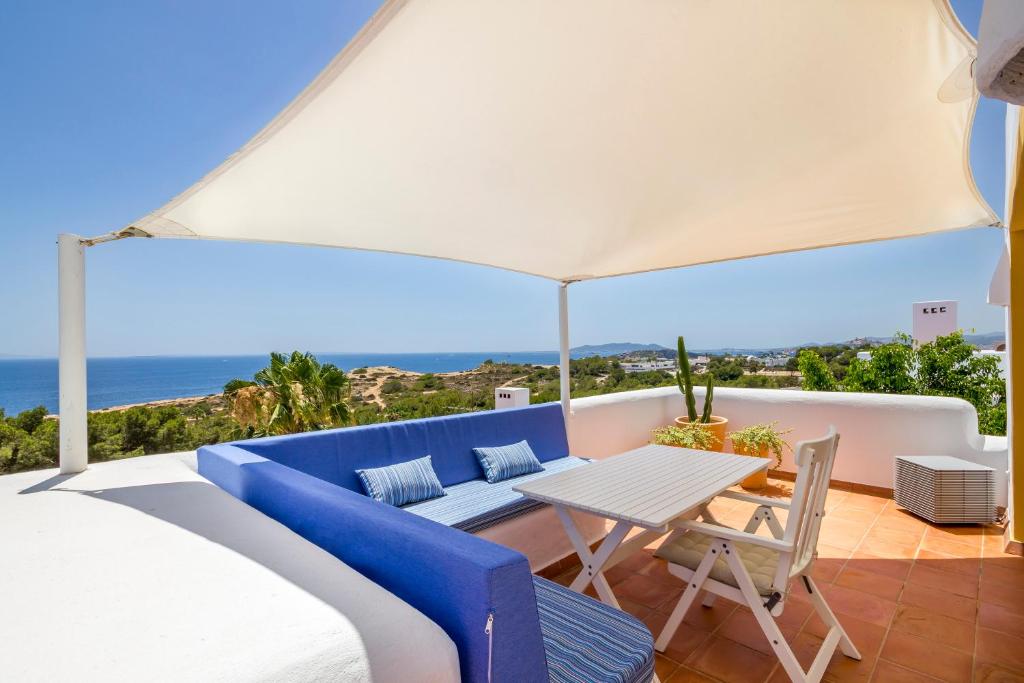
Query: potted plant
{"x": 711, "y": 423}
{"x": 689, "y": 435}
{"x": 759, "y": 441}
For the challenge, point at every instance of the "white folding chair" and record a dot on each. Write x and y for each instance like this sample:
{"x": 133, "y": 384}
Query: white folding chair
{"x": 756, "y": 570}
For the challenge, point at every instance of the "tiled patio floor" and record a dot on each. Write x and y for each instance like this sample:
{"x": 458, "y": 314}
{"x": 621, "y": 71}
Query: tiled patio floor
{"x": 921, "y": 602}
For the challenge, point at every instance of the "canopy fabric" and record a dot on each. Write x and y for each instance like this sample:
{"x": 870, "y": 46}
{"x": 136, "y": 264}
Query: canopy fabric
{"x": 999, "y": 70}
{"x": 589, "y": 138}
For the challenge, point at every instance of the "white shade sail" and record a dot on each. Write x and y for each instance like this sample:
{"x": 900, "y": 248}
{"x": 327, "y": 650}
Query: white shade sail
{"x": 574, "y": 139}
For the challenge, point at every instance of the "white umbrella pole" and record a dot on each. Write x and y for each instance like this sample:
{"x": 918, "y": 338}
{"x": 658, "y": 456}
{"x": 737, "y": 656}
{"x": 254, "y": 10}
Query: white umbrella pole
{"x": 563, "y": 347}
{"x": 74, "y": 433}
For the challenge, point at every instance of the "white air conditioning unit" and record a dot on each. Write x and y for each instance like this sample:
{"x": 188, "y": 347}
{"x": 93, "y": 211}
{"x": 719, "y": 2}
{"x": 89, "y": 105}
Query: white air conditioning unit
{"x": 945, "y": 490}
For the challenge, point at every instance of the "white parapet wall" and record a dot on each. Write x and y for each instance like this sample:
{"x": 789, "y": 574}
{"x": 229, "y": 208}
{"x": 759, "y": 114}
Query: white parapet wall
{"x": 873, "y": 428}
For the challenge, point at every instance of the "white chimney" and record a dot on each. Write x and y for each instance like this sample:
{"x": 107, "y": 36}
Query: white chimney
{"x": 511, "y": 397}
{"x": 933, "y": 319}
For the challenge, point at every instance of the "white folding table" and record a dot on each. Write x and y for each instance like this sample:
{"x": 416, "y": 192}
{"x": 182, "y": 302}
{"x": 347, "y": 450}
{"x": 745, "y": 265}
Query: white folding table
{"x": 649, "y": 487}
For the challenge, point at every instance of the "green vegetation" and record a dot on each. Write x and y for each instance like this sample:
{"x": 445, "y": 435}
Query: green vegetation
{"x": 30, "y": 440}
{"x": 689, "y": 435}
{"x": 944, "y": 367}
{"x": 754, "y": 439}
{"x": 685, "y": 382}
{"x": 293, "y": 394}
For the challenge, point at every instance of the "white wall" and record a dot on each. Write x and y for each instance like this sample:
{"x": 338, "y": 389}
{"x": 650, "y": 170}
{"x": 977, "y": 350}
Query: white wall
{"x": 873, "y": 427}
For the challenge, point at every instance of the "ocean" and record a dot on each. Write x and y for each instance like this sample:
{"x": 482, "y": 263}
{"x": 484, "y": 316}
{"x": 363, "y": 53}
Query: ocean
{"x": 27, "y": 383}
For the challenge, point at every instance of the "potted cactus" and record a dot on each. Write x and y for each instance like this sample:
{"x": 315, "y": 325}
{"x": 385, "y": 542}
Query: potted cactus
{"x": 713, "y": 424}
{"x": 760, "y": 441}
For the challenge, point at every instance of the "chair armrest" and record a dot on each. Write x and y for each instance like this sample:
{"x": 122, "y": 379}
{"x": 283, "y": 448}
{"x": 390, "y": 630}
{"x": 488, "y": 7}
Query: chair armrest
{"x": 733, "y": 535}
{"x": 751, "y": 498}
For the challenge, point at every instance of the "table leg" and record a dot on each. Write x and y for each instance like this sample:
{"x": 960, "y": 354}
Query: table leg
{"x": 593, "y": 563}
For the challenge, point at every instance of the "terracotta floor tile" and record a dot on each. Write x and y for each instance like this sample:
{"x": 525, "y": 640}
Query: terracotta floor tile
{"x": 646, "y": 591}
{"x": 686, "y": 639}
{"x": 970, "y": 566}
{"x": 742, "y": 627}
{"x": 887, "y": 566}
{"x": 687, "y": 675}
{"x": 884, "y": 548}
{"x": 864, "y": 606}
{"x": 950, "y": 546}
{"x": 664, "y": 667}
{"x": 935, "y": 626}
{"x": 866, "y": 637}
{"x": 826, "y": 569}
{"x": 870, "y": 582}
{"x": 841, "y": 533}
{"x": 895, "y": 536}
{"x": 637, "y": 610}
{"x": 923, "y": 656}
{"x": 705, "y": 618}
{"x": 944, "y": 582}
{"x": 860, "y": 515}
{"x": 657, "y": 570}
{"x": 1000, "y": 648}
{"x": 636, "y": 561}
{"x": 987, "y": 672}
{"x": 729, "y": 661}
{"x": 956, "y": 606}
{"x": 840, "y": 668}
{"x": 898, "y": 518}
{"x": 971, "y": 534}
{"x": 999, "y": 618}
{"x": 887, "y": 672}
{"x": 794, "y": 614}
{"x": 617, "y": 575}
{"x": 863, "y": 500}
{"x": 1001, "y": 594}
{"x": 826, "y": 551}
{"x": 1008, "y": 576}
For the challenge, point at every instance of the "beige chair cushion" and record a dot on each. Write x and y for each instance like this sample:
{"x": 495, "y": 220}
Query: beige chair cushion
{"x": 690, "y": 548}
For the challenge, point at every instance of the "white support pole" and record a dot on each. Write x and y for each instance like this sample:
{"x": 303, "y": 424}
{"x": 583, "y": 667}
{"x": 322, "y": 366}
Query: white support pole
{"x": 74, "y": 433}
{"x": 563, "y": 348}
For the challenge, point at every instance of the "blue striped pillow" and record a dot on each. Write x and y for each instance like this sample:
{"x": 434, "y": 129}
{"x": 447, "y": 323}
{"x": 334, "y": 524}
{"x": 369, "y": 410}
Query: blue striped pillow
{"x": 504, "y": 462}
{"x": 401, "y": 484}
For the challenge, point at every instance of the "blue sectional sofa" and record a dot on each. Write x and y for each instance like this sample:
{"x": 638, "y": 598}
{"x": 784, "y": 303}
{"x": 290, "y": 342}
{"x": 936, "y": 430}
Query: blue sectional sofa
{"x": 507, "y": 624}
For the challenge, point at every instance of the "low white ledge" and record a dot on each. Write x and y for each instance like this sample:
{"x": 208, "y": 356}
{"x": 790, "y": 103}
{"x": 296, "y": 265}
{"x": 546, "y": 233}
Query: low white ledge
{"x": 874, "y": 428}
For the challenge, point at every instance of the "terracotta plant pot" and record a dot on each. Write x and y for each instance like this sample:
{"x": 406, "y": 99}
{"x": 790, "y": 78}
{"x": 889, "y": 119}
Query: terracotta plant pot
{"x": 758, "y": 480}
{"x": 717, "y": 428}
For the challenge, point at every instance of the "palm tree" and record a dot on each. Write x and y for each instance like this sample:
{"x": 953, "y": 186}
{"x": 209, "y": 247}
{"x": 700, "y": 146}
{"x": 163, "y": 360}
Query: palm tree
{"x": 293, "y": 394}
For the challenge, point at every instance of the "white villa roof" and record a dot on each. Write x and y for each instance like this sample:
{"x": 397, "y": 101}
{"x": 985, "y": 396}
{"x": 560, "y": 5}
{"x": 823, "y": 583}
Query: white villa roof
{"x": 584, "y": 139}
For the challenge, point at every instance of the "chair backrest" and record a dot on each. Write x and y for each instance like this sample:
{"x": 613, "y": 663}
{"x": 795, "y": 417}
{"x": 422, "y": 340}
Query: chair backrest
{"x": 814, "y": 460}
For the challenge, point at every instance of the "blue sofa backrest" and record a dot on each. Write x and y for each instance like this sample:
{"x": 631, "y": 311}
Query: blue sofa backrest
{"x": 454, "y": 578}
{"x": 334, "y": 455}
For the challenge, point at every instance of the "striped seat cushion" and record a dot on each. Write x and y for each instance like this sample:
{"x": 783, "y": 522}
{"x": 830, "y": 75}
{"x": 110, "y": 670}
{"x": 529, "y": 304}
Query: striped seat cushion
{"x": 586, "y": 641}
{"x": 476, "y": 505}
{"x": 505, "y": 462}
{"x": 406, "y": 482}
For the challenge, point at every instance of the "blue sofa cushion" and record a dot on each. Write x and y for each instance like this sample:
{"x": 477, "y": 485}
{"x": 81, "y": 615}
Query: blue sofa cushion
{"x": 475, "y": 505}
{"x": 504, "y": 462}
{"x": 406, "y": 482}
{"x": 334, "y": 455}
{"x": 586, "y": 641}
{"x": 456, "y": 579}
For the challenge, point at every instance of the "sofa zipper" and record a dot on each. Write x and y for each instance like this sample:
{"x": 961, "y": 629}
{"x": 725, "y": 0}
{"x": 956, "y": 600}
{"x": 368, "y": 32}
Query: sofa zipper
{"x": 489, "y": 630}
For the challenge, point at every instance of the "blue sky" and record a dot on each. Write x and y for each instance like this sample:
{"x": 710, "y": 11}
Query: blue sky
{"x": 111, "y": 108}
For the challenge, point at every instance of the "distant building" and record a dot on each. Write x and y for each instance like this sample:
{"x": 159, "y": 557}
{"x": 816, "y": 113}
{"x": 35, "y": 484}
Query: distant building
{"x": 648, "y": 365}
{"x": 933, "y": 319}
{"x": 774, "y": 361}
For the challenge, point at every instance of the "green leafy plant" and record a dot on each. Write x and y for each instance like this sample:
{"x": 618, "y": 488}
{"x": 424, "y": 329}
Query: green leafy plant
{"x": 690, "y": 435}
{"x": 754, "y": 439}
{"x": 293, "y": 394}
{"x": 685, "y": 381}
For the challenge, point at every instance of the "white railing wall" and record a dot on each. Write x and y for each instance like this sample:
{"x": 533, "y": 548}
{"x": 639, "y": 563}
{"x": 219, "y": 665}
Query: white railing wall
{"x": 874, "y": 428}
